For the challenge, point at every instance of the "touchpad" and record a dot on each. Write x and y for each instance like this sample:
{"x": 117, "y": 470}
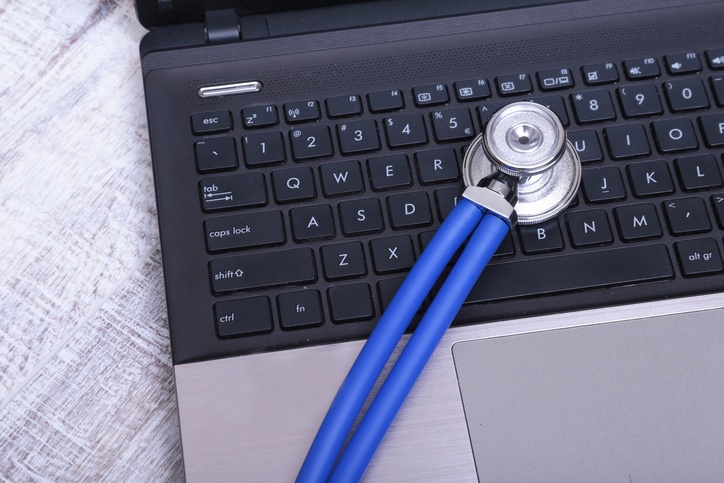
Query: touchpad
{"x": 626, "y": 401}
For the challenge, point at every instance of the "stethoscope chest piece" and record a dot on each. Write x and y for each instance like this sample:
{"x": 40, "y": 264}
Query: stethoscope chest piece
{"x": 527, "y": 141}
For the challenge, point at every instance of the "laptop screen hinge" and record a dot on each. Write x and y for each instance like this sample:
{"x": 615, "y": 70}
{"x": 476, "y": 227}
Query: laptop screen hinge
{"x": 222, "y": 26}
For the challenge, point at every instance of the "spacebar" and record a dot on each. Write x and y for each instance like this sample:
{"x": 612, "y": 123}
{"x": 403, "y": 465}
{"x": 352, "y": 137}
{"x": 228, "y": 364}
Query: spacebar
{"x": 579, "y": 271}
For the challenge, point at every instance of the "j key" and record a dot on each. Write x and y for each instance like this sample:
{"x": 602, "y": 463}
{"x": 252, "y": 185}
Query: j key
{"x": 311, "y": 142}
{"x": 452, "y": 124}
{"x": 350, "y": 303}
{"x": 472, "y": 90}
{"x": 586, "y": 145}
{"x": 593, "y": 106}
{"x": 302, "y": 308}
{"x": 584, "y": 270}
{"x": 243, "y": 317}
{"x": 687, "y": 215}
{"x": 683, "y": 63}
{"x": 512, "y": 84}
{"x": 627, "y": 141}
{"x": 391, "y": 171}
{"x": 341, "y": 178}
{"x": 641, "y": 68}
{"x": 248, "y": 189}
{"x": 553, "y": 79}
{"x": 675, "y": 135}
{"x": 639, "y": 100}
{"x": 263, "y": 148}
{"x": 388, "y": 100}
{"x": 603, "y": 184}
{"x": 699, "y": 257}
{"x": 650, "y": 178}
{"x": 712, "y": 125}
{"x": 698, "y": 172}
{"x": 260, "y": 116}
{"x": 215, "y": 154}
{"x": 392, "y": 253}
{"x": 257, "y": 270}
{"x": 430, "y": 95}
{"x": 211, "y": 122}
{"x": 602, "y": 73}
{"x": 405, "y": 130}
{"x": 300, "y": 111}
{"x": 638, "y": 222}
{"x": 358, "y": 136}
{"x": 344, "y": 106}
{"x": 589, "y": 228}
{"x": 244, "y": 230}
{"x": 686, "y": 95}
{"x": 344, "y": 260}
{"x": 715, "y": 57}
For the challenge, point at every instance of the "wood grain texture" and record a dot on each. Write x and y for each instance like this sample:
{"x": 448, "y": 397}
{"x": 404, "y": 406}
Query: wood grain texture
{"x": 86, "y": 385}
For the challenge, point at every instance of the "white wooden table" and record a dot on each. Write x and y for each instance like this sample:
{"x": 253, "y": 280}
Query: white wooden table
{"x": 86, "y": 386}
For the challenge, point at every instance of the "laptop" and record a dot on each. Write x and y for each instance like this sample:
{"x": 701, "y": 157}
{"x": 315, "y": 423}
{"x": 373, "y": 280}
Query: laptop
{"x": 303, "y": 157}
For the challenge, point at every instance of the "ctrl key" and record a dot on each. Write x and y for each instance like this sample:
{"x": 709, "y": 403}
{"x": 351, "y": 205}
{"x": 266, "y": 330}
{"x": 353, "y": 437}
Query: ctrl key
{"x": 699, "y": 257}
{"x": 243, "y": 317}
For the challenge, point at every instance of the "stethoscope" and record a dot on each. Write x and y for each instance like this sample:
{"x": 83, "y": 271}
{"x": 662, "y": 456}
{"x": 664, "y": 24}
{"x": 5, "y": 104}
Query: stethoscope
{"x": 520, "y": 170}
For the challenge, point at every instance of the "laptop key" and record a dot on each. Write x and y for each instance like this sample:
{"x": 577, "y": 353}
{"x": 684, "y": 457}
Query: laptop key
{"x": 589, "y": 228}
{"x": 260, "y": 116}
{"x": 698, "y": 172}
{"x": 603, "y": 184}
{"x": 639, "y": 100}
{"x": 712, "y": 126}
{"x": 717, "y": 201}
{"x": 341, "y": 178}
{"x": 641, "y": 68}
{"x": 300, "y": 309}
{"x": 243, "y": 317}
{"x": 311, "y": 142}
{"x": 215, "y": 154}
{"x": 392, "y": 253}
{"x": 258, "y": 270}
{"x": 405, "y": 130}
{"x": 627, "y": 141}
{"x": 675, "y": 135}
{"x": 686, "y": 95}
{"x": 586, "y": 145}
{"x": 715, "y": 58}
{"x": 430, "y": 95}
{"x": 683, "y": 63}
{"x": 472, "y": 90}
{"x": 387, "y": 100}
{"x": 409, "y": 209}
{"x": 601, "y": 73}
{"x": 211, "y": 122}
{"x": 687, "y": 216}
{"x": 512, "y": 84}
{"x": 638, "y": 222}
{"x": 358, "y": 136}
{"x": 699, "y": 257}
{"x": 553, "y": 79}
{"x": 344, "y": 260}
{"x": 584, "y": 271}
{"x": 244, "y": 231}
{"x": 350, "y": 303}
{"x": 344, "y": 106}
{"x": 293, "y": 184}
{"x": 717, "y": 85}
{"x": 392, "y": 171}
{"x": 452, "y": 124}
{"x": 593, "y": 106}
{"x": 263, "y": 148}
{"x": 301, "y": 111}
{"x": 222, "y": 192}
{"x": 650, "y": 178}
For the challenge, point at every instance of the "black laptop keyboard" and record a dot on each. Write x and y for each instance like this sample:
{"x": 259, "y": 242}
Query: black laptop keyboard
{"x": 315, "y": 208}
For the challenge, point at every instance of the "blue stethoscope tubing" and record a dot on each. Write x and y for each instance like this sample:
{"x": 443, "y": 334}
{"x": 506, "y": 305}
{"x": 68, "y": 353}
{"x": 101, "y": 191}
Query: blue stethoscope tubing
{"x": 488, "y": 232}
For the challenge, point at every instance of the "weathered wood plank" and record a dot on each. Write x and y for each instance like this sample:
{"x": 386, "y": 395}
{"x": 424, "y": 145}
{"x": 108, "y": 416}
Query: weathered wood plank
{"x": 85, "y": 376}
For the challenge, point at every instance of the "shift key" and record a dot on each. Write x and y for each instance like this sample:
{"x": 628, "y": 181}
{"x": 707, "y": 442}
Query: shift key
{"x": 258, "y": 270}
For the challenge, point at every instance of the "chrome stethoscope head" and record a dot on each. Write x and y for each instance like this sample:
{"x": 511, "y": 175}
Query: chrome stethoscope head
{"x": 525, "y": 142}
